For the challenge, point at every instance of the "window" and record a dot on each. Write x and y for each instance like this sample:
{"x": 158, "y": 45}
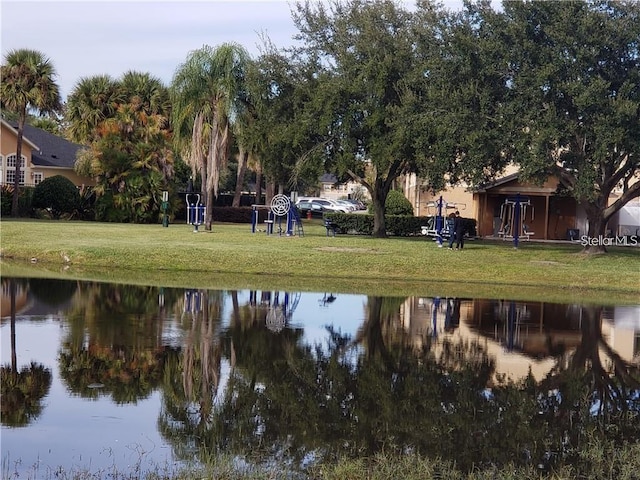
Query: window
{"x": 11, "y": 177}
{"x": 11, "y": 172}
{"x": 37, "y": 177}
{"x": 1, "y": 160}
{"x": 11, "y": 161}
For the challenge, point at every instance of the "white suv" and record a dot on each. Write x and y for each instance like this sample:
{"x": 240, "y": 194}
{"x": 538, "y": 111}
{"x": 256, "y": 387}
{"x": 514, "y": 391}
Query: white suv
{"x": 326, "y": 203}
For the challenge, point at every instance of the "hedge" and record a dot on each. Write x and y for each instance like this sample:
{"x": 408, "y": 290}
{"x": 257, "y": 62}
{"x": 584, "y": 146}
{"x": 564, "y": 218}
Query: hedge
{"x": 347, "y": 223}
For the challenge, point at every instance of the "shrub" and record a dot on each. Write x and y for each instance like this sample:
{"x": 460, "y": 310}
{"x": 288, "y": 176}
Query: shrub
{"x": 25, "y": 198}
{"x": 6, "y": 198}
{"x": 58, "y": 195}
{"x": 397, "y": 225}
{"x": 396, "y": 204}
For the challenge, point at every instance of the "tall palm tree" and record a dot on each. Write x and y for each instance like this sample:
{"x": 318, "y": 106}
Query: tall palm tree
{"x": 207, "y": 98}
{"x": 92, "y": 100}
{"x": 28, "y": 84}
{"x": 126, "y": 124}
{"x": 146, "y": 92}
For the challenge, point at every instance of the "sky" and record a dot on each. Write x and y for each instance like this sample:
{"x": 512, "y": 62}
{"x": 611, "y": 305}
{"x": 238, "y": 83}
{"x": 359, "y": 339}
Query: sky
{"x": 84, "y": 38}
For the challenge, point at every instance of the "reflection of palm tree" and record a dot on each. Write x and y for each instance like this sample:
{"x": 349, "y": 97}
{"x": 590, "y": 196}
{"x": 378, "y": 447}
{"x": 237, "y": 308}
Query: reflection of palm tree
{"x": 114, "y": 341}
{"x": 22, "y": 393}
{"x": 22, "y": 390}
{"x": 202, "y": 354}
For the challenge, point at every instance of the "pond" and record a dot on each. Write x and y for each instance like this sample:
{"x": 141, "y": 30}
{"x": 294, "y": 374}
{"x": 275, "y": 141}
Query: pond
{"x": 99, "y": 376}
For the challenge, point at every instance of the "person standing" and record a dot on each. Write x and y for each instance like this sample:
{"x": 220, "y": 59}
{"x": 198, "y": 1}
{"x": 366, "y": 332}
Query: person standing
{"x": 458, "y": 231}
{"x": 451, "y": 220}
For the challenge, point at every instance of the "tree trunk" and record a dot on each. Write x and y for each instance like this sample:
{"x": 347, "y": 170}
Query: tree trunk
{"x": 242, "y": 167}
{"x": 379, "y": 199}
{"x": 258, "y": 184}
{"x": 595, "y": 241}
{"x": 208, "y": 217}
{"x": 270, "y": 189}
{"x": 16, "y": 184}
{"x": 12, "y": 300}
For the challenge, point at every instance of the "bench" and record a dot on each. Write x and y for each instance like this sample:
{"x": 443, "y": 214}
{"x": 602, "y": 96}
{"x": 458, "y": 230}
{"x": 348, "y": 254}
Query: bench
{"x": 332, "y": 228}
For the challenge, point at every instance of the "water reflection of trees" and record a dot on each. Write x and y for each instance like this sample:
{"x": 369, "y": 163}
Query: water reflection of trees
{"x": 21, "y": 389}
{"x": 383, "y": 391}
{"x": 232, "y": 383}
{"x": 594, "y": 382}
{"x": 114, "y": 342}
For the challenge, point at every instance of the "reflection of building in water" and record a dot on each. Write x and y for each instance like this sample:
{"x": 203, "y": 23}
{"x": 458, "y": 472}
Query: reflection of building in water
{"x": 623, "y": 325}
{"x": 519, "y": 335}
{"x": 5, "y": 299}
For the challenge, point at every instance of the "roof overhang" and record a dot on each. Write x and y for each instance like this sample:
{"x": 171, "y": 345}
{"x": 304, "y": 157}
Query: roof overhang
{"x": 24, "y": 139}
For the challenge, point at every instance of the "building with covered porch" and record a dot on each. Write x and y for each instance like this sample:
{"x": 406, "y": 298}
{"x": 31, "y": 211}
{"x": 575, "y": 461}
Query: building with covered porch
{"x": 547, "y": 214}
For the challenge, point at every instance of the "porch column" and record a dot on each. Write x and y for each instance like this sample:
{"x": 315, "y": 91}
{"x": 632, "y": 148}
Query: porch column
{"x": 546, "y": 217}
{"x": 483, "y": 209}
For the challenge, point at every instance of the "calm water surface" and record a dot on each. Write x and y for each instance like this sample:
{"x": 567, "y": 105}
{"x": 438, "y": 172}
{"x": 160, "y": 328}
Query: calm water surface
{"x": 100, "y": 376}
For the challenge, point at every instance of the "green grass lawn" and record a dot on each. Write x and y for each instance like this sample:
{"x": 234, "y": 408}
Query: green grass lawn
{"x": 231, "y": 257}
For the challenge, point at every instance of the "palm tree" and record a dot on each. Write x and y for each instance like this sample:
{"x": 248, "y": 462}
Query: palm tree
{"x": 27, "y": 84}
{"x": 92, "y": 100}
{"x": 207, "y": 94}
{"x": 126, "y": 124}
{"x": 146, "y": 92}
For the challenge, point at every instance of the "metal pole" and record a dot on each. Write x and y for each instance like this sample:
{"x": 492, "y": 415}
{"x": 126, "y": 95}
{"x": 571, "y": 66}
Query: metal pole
{"x": 516, "y": 221}
{"x": 439, "y": 222}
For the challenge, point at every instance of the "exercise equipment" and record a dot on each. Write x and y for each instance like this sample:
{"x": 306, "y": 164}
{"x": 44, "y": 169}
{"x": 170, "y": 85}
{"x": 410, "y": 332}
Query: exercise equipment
{"x": 437, "y": 226}
{"x": 513, "y": 214}
{"x": 280, "y": 211}
{"x": 195, "y": 211}
{"x": 278, "y": 312}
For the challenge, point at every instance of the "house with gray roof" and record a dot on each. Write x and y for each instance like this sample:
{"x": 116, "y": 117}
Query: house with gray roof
{"x": 44, "y": 155}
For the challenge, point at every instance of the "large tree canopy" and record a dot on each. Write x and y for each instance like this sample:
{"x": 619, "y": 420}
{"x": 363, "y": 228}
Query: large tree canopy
{"x": 366, "y": 52}
{"x": 575, "y": 70}
{"x": 286, "y": 127}
{"x": 458, "y": 104}
{"x": 126, "y": 124}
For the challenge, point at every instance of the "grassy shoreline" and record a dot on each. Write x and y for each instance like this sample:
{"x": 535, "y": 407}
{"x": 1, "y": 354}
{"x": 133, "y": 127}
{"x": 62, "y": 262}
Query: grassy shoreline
{"x": 231, "y": 257}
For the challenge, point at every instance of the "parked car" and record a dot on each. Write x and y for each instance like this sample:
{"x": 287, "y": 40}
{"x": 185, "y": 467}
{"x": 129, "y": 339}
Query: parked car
{"x": 330, "y": 205}
{"x": 317, "y": 210}
{"x": 348, "y": 205}
{"x": 357, "y": 204}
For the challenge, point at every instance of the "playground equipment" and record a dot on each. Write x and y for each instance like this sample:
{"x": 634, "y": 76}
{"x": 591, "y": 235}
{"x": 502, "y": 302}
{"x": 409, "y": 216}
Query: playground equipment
{"x": 437, "y": 225}
{"x": 280, "y": 211}
{"x": 513, "y": 214}
{"x": 279, "y": 312}
{"x": 195, "y": 211}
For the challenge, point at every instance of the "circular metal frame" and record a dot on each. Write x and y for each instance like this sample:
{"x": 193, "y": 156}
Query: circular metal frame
{"x": 280, "y": 205}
